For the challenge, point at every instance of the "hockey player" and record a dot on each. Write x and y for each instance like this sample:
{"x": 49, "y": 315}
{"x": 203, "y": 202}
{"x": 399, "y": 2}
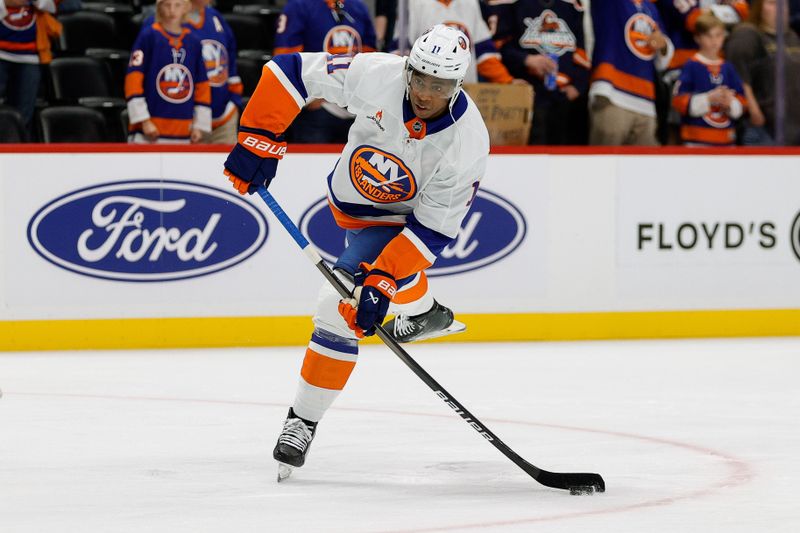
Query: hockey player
{"x": 167, "y": 87}
{"x": 407, "y": 175}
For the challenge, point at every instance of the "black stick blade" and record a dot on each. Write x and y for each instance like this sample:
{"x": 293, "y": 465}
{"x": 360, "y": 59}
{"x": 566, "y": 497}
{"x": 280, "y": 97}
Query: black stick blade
{"x": 574, "y": 483}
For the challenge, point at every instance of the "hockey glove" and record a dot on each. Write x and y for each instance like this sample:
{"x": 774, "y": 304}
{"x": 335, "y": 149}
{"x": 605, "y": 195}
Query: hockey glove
{"x": 370, "y": 302}
{"x": 254, "y": 160}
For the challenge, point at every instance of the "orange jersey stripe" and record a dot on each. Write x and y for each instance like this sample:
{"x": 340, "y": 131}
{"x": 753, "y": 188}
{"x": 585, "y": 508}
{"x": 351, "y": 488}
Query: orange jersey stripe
{"x": 202, "y": 93}
{"x": 414, "y": 293}
{"x": 18, "y": 47}
{"x": 325, "y": 372}
{"x": 743, "y": 8}
{"x": 236, "y": 88}
{"x": 624, "y": 81}
{"x": 134, "y": 84}
{"x": 345, "y": 221}
{"x": 681, "y": 103}
{"x": 287, "y": 50}
{"x": 494, "y": 70}
{"x": 271, "y": 107}
{"x": 680, "y": 58}
{"x": 708, "y": 135}
{"x": 171, "y": 127}
{"x": 401, "y": 258}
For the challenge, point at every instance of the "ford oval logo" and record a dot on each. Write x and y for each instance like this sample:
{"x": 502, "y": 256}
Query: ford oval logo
{"x": 492, "y": 229}
{"x": 147, "y": 230}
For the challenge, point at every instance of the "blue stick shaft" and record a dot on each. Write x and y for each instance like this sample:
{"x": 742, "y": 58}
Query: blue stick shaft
{"x": 283, "y": 218}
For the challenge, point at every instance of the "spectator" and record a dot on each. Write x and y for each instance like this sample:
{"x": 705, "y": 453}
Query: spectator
{"x": 709, "y": 94}
{"x": 26, "y": 28}
{"x": 167, "y": 86}
{"x": 385, "y": 18}
{"x": 219, "y": 55}
{"x": 545, "y": 46}
{"x": 629, "y": 47}
{"x": 464, "y": 15}
{"x": 751, "y": 49}
{"x": 333, "y": 26}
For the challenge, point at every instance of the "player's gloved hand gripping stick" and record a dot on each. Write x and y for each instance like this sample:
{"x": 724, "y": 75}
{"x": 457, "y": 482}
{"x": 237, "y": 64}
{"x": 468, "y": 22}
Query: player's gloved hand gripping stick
{"x": 576, "y": 483}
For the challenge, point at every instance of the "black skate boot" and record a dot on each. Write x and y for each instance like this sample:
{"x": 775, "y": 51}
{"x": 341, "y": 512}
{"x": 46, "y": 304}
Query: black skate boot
{"x": 293, "y": 444}
{"x": 436, "y": 322}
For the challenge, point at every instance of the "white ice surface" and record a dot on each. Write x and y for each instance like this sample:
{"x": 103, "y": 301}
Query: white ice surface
{"x": 689, "y": 435}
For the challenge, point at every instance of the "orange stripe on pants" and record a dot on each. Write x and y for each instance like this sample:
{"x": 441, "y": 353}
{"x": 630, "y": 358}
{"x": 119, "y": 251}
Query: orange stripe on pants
{"x": 412, "y": 294}
{"x": 325, "y": 372}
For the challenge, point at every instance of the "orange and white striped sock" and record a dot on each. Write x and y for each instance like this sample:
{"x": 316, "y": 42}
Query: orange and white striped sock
{"x": 328, "y": 363}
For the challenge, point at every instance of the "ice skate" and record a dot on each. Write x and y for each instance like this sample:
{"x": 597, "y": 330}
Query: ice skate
{"x": 436, "y": 322}
{"x": 293, "y": 444}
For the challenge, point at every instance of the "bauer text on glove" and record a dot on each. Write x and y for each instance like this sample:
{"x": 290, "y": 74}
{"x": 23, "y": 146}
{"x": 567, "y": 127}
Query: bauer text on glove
{"x": 254, "y": 160}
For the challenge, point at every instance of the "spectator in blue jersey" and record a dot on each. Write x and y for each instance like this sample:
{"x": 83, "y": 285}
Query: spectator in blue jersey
{"x": 219, "y": 55}
{"x": 630, "y": 47}
{"x": 709, "y": 94}
{"x": 339, "y": 27}
{"x": 169, "y": 98}
{"x": 545, "y": 46}
{"x": 25, "y": 31}
{"x": 751, "y": 49}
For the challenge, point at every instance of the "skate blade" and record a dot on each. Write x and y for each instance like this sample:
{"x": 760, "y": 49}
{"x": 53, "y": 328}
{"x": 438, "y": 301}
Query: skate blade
{"x": 455, "y": 327}
{"x": 284, "y": 471}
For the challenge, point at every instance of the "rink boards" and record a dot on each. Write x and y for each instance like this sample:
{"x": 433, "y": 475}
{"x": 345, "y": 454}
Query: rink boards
{"x": 103, "y": 247}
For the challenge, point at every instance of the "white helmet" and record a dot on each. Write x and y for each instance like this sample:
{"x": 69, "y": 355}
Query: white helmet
{"x": 443, "y": 52}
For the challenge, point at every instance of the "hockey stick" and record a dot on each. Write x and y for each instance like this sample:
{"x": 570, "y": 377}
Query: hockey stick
{"x": 576, "y": 483}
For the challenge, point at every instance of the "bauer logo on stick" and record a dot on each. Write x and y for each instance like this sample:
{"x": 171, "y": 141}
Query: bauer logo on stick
{"x": 147, "y": 230}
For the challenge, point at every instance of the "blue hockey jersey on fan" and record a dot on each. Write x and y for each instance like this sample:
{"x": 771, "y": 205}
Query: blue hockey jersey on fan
{"x": 527, "y": 27}
{"x": 701, "y": 122}
{"x": 18, "y": 31}
{"x": 219, "y": 55}
{"x": 336, "y": 27}
{"x": 624, "y": 64}
{"x": 167, "y": 84}
{"x": 679, "y": 17}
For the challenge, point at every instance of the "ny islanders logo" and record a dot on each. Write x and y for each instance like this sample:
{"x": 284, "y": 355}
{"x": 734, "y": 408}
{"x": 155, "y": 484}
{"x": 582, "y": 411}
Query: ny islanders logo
{"x": 215, "y": 58}
{"x": 548, "y": 34}
{"x": 174, "y": 83}
{"x": 381, "y": 177}
{"x": 638, "y": 30}
{"x": 342, "y": 40}
{"x": 19, "y": 20}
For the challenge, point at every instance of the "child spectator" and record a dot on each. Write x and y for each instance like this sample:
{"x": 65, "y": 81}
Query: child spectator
{"x": 26, "y": 28}
{"x": 167, "y": 87}
{"x": 219, "y": 55}
{"x": 709, "y": 94}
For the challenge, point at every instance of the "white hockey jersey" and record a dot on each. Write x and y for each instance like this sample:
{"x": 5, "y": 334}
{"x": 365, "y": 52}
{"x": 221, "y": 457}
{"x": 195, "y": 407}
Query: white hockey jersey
{"x": 464, "y": 15}
{"x": 395, "y": 169}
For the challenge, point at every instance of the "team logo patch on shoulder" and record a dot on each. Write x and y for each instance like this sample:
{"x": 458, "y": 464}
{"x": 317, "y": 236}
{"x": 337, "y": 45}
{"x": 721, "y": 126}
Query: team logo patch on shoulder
{"x": 638, "y": 30}
{"x": 381, "y": 177}
{"x": 174, "y": 83}
{"x": 215, "y": 58}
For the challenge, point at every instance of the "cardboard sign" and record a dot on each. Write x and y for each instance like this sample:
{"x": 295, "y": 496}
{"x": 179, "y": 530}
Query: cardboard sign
{"x": 506, "y": 109}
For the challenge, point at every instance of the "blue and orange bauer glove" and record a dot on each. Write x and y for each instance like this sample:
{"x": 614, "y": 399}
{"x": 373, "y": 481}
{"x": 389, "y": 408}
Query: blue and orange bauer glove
{"x": 370, "y": 302}
{"x": 254, "y": 160}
